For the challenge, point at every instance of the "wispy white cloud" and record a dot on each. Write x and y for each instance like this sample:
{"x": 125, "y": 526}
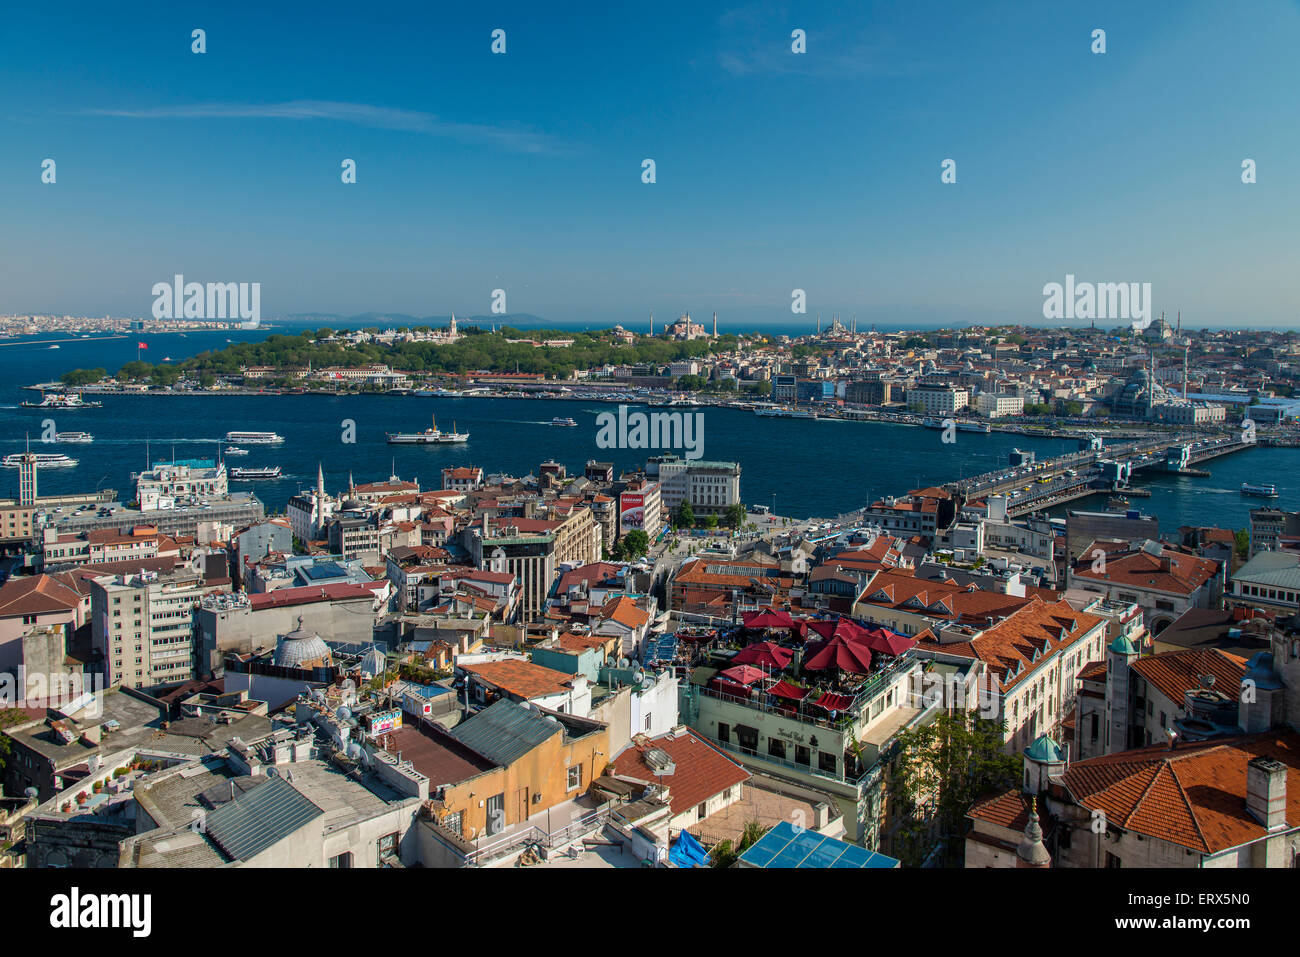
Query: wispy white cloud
{"x": 756, "y": 40}
{"x": 359, "y": 114}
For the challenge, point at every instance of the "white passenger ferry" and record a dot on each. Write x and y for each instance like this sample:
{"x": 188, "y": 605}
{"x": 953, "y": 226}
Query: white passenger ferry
{"x": 254, "y": 438}
{"x": 44, "y": 460}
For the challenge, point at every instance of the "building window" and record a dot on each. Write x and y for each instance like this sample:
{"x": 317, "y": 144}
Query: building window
{"x": 826, "y": 761}
{"x": 702, "y": 812}
{"x": 575, "y": 778}
{"x": 776, "y": 748}
{"x": 724, "y": 732}
{"x": 343, "y": 860}
{"x": 802, "y": 755}
{"x": 386, "y": 846}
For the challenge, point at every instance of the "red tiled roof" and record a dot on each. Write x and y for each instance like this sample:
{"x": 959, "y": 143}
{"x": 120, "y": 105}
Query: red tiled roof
{"x": 1174, "y": 673}
{"x": 309, "y": 594}
{"x": 38, "y": 594}
{"x": 522, "y": 678}
{"x": 1193, "y": 796}
{"x": 701, "y": 771}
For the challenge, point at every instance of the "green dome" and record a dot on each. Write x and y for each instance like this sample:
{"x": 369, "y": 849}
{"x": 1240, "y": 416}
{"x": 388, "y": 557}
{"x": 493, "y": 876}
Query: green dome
{"x": 1123, "y": 645}
{"x": 1043, "y": 750}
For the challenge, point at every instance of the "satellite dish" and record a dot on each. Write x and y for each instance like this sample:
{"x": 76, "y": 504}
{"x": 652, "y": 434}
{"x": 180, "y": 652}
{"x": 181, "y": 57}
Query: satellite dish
{"x": 32, "y": 792}
{"x": 354, "y": 751}
{"x": 343, "y": 714}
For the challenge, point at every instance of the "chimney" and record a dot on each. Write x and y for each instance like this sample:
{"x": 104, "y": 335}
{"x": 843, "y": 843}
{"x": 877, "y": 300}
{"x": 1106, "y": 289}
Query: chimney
{"x": 1266, "y": 792}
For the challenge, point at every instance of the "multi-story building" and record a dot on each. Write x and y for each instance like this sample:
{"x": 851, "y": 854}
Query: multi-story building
{"x": 143, "y": 627}
{"x": 710, "y": 487}
{"x": 190, "y": 482}
{"x": 937, "y": 400}
{"x": 524, "y": 548}
{"x": 640, "y": 505}
{"x": 1162, "y": 580}
{"x": 1269, "y": 581}
{"x": 1272, "y": 529}
{"x": 996, "y": 405}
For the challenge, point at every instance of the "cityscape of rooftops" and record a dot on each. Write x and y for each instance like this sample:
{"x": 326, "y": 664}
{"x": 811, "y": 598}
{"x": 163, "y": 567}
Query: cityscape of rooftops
{"x": 772, "y": 436}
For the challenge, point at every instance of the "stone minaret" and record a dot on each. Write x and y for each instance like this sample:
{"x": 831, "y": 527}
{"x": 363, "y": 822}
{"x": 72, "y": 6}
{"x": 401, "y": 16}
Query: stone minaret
{"x": 715, "y": 325}
{"x": 1120, "y": 655}
{"x": 1032, "y": 852}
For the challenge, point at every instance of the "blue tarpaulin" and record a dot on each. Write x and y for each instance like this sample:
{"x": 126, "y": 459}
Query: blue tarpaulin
{"x": 687, "y": 852}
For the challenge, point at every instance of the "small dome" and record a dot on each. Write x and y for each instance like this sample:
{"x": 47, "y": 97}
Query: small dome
{"x": 301, "y": 648}
{"x": 1043, "y": 750}
{"x": 1123, "y": 645}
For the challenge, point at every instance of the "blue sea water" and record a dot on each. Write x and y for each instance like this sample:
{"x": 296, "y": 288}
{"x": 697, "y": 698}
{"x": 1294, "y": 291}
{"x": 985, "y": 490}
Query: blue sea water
{"x": 804, "y": 468}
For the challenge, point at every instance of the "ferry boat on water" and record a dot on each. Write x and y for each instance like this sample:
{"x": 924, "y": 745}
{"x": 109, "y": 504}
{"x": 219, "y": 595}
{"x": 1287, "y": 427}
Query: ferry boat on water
{"x": 784, "y": 413}
{"x": 44, "y": 460}
{"x": 235, "y": 450}
{"x": 62, "y": 400}
{"x": 270, "y": 472}
{"x": 431, "y": 436}
{"x": 561, "y": 421}
{"x": 982, "y": 427}
{"x": 1259, "y": 491}
{"x": 78, "y": 438}
{"x": 254, "y": 438}
{"x": 1118, "y": 503}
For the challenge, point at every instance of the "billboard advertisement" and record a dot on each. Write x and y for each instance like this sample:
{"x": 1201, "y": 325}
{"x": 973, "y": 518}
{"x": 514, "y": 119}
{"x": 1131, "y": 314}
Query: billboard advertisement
{"x": 631, "y": 511}
{"x": 382, "y": 721}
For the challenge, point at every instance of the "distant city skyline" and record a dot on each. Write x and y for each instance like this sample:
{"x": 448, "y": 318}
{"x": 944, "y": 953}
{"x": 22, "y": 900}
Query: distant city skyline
{"x": 775, "y": 171}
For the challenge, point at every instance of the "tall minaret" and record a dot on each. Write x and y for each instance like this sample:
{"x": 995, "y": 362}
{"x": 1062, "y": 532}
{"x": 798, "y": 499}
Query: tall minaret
{"x": 319, "y": 517}
{"x": 715, "y": 325}
{"x": 451, "y": 329}
{"x": 819, "y": 323}
{"x": 652, "y": 324}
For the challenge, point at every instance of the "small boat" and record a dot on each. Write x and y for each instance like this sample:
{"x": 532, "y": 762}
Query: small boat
{"x": 1117, "y": 503}
{"x": 235, "y": 450}
{"x": 44, "y": 460}
{"x": 270, "y": 472}
{"x": 79, "y": 438}
{"x": 982, "y": 427}
{"x": 561, "y": 421}
{"x": 54, "y": 347}
{"x": 1259, "y": 491}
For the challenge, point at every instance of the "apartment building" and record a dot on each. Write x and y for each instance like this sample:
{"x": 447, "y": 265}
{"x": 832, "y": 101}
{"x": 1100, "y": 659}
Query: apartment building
{"x": 996, "y": 405}
{"x": 143, "y": 626}
{"x": 1162, "y": 580}
{"x": 710, "y": 487}
{"x": 937, "y": 400}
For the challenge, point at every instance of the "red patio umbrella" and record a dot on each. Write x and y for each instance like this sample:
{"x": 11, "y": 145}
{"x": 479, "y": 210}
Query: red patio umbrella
{"x": 744, "y": 674}
{"x": 767, "y": 653}
{"x": 767, "y": 618}
{"x": 887, "y": 642}
{"x": 783, "y": 689}
{"x": 842, "y": 653}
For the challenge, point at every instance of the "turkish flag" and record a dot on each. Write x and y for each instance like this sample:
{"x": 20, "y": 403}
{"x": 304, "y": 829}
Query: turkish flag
{"x": 142, "y": 345}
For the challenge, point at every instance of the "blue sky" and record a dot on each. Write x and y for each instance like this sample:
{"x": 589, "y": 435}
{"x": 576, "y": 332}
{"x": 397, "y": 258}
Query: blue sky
{"x": 775, "y": 171}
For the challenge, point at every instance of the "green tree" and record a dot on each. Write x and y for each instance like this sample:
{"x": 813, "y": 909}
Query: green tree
{"x": 942, "y": 769}
{"x": 80, "y": 377}
{"x": 1241, "y": 541}
{"x": 635, "y": 544}
{"x": 685, "y": 517}
{"x": 725, "y": 853}
{"x": 735, "y": 515}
